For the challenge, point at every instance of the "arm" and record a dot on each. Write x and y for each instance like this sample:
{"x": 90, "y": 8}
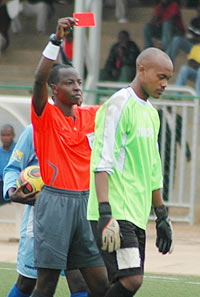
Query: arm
{"x": 101, "y": 183}
{"x": 110, "y": 64}
{"x": 163, "y": 225}
{"x": 108, "y": 227}
{"x": 21, "y": 158}
{"x": 157, "y": 200}
{"x": 40, "y": 89}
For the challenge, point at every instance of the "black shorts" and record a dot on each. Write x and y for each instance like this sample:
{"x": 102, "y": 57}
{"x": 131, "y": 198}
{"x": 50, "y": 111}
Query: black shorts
{"x": 129, "y": 259}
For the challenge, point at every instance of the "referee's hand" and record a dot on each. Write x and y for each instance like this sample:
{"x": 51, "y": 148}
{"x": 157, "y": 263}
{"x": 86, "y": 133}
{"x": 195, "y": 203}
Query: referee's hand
{"x": 108, "y": 229}
{"x": 63, "y": 27}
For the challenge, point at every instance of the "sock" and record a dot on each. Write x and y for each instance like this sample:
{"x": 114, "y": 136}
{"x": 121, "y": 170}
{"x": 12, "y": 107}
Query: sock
{"x": 79, "y": 294}
{"x": 118, "y": 290}
{"x": 15, "y": 292}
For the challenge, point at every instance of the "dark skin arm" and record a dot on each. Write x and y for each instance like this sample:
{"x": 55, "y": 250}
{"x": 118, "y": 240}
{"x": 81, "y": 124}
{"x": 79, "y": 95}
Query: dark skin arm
{"x": 157, "y": 198}
{"x": 101, "y": 183}
{"x": 40, "y": 88}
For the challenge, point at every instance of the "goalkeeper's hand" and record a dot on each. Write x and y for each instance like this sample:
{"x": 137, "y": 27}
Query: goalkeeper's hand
{"x": 164, "y": 240}
{"x": 108, "y": 229}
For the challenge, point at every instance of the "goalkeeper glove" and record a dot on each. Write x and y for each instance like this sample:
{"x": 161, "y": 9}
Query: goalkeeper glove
{"x": 164, "y": 231}
{"x": 108, "y": 229}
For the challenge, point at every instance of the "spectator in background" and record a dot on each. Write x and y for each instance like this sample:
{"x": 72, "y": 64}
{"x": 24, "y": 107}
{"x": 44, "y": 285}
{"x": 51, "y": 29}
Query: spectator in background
{"x": 166, "y": 22}
{"x": 42, "y": 9}
{"x": 185, "y": 43}
{"x": 8, "y": 143}
{"x": 121, "y": 11}
{"x": 8, "y": 11}
{"x": 191, "y": 71}
{"x": 121, "y": 62}
{"x": 121, "y": 7}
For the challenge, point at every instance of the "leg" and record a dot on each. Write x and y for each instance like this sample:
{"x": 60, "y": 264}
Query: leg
{"x": 121, "y": 9}
{"x": 43, "y": 14}
{"x": 23, "y": 287}
{"x": 167, "y": 33}
{"x": 149, "y": 33}
{"x": 16, "y": 25}
{"x": 178, "y": 43}
{"x": 184, "y": 74}
{"x": 96, "y": 279}
{"x": 197, "y": 84}
{"x": 25, "y": 284}
{"x": 25, "y": 266}
{"x": 126, "y": 287}
{"x": 125, "y": 267}
{"x": 104, "y": 75}
{"x": 46, "y": 282}
{"x": 76, "y": 281}
{"x": 126, "y": 74}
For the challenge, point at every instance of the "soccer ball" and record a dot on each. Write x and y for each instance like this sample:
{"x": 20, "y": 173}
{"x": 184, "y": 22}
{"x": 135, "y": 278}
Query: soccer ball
{"x": 31, "y": 175}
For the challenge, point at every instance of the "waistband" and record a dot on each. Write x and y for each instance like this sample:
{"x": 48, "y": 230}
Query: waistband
{"x": 68, "y": 193}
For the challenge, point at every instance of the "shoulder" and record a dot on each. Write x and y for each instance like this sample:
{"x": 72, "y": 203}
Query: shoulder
{"x": 132, "y": 43}
{"x": 114, "y": 45}
{"x": 86, "y": 110}
{"x": 119, "y": 100}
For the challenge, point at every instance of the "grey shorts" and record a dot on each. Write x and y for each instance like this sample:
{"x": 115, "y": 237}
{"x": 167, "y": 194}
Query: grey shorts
{"x": 63, "y": 236}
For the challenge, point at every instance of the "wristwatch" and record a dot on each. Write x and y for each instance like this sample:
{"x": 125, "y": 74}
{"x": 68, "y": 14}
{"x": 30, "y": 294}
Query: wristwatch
{"x": 55, "y": 41}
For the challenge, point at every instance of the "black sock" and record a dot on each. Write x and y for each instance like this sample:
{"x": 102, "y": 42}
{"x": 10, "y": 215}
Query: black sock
{"x": 36, "y": 293}
{"x": 118, "y": 290}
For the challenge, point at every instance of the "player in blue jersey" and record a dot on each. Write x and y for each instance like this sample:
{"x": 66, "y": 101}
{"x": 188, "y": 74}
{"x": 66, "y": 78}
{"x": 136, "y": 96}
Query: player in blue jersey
{"x": 23, "y": 156}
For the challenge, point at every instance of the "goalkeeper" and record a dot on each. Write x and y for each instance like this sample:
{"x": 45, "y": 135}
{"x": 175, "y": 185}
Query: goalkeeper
{"x": 126, "y": 175}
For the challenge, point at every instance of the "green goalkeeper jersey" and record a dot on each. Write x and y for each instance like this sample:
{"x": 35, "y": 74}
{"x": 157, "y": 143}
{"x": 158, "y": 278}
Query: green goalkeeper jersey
{"x": 125, "y": 147}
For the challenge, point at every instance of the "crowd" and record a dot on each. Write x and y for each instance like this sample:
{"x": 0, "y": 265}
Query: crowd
{"x": 89, "y": 220}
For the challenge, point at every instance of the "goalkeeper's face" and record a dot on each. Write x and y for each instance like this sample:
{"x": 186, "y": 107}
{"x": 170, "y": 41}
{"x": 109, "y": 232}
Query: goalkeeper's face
{"x": 156, "y": 77}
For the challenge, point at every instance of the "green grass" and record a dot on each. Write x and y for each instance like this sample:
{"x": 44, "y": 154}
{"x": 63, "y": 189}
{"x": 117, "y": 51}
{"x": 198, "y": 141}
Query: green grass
{"x": 155, "y": 285}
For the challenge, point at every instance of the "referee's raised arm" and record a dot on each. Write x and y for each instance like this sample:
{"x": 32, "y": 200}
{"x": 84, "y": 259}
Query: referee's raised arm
{"x": 49, "y": 56}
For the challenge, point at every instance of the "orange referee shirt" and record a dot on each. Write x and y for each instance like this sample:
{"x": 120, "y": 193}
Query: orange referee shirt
{"x": 63, "y": 146}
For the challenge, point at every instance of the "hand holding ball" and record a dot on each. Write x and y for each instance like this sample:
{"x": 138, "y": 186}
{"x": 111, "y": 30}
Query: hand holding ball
{"x": 31, "y": 176}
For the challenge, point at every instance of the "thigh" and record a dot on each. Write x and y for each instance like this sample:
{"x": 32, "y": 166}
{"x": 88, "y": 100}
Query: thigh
{"x": 25, "y": 258}
{"x": 154, "y": 30}
{"x": 192, "y": 73}
{"x": 53, "y": 229}
{"x": 28, "y": 10}
{"x": 83, "y": 250}
{"x": 25, "y": 284}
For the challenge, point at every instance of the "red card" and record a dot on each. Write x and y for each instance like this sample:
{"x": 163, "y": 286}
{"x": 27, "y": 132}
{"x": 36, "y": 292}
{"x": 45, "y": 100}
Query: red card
{"x": 85, "y": 19}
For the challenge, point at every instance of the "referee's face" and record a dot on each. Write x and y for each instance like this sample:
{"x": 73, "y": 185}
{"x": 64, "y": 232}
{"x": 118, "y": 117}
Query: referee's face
{"x": 69, "y": 88}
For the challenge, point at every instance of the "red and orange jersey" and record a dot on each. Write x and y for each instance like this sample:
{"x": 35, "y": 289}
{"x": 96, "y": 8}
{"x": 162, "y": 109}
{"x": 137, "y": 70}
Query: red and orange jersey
{"x": 63, "y": 146}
